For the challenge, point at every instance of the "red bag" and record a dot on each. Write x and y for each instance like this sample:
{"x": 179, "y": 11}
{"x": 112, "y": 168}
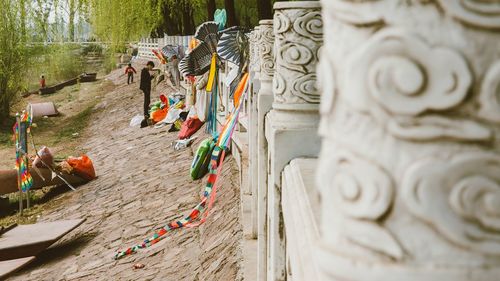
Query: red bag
{"x": 82, "y": 166}
{"x": 189, "y": 127}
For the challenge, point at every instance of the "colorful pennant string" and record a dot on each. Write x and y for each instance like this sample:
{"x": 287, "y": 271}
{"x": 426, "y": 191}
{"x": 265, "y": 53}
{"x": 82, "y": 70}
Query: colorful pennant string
{"x": 26, "y": 180}
{"x": 210, "y": 192}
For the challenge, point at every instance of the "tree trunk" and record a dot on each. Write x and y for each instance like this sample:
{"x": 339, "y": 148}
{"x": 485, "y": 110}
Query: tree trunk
{"x": 265, "y": 10}
{"x": 211, "y": 7}
{"x": 22, "y": 5}
{"x": 187, "y": 15}
{"x": 232, "y": 20}
{"x": 71, "y": 23}
{"x": 4, "y": 98}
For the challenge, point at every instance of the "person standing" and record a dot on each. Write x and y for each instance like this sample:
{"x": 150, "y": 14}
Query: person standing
{"x": 130, "y": 73}
{"x": 42, "y": 82}
{"x": 145, "y": 86}
{"x": 174, "y": 71}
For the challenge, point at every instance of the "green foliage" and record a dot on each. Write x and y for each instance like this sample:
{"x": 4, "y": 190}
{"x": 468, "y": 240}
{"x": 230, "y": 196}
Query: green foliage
{"x": 93, "y": 48}
{"x": 6, "y": 131}
{"x": 171, "y": 14}
{"x": 118, "y": 22}
{"x": 57, "y": 62}
{"x": 12, "y": 58}
{"x": 74, "y": 124}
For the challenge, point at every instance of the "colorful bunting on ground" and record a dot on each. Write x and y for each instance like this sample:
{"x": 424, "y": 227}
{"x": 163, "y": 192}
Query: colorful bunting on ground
{"x": 158, "y": 236}
{"x": 210, "y": 192}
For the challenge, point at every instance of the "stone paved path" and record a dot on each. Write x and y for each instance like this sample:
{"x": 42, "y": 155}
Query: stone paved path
{"x": 142, "y": 184}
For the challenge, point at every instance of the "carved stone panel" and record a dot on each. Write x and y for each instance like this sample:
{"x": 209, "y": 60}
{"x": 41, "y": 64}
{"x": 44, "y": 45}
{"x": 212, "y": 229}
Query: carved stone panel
{"x": 254, "y": 51}
{"x": 409, "y": 172}
{"x": 459, "y": 197}
{"x": 266, "y": 50}
{"x": 480, "y": 13}
{"x": 298, "y": 28}
{"x": 405, "y": 75}
{"x": 355, "y": 12}
{"x": 489, "y": 99}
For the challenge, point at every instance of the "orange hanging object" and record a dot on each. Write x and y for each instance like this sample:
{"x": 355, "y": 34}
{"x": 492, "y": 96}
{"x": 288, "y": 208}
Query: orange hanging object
{"x": 159, "y": 56}
{"x": 193, "y": 43}
{"x": 211, "y": 75}
{"x": 82, "y": 166}
{"x": 159, "y": 115}
{"x": 240, "y": 89}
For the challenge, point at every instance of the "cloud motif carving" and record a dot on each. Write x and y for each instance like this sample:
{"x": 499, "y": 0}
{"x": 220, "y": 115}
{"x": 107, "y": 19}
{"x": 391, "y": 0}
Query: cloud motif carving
{"x": 459, "y": 197}
{"x": 404, "y": 75}
{"x": 480, "y": 13}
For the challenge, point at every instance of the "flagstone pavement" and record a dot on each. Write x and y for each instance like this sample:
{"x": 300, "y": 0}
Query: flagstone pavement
{"x": 142, "y": 184}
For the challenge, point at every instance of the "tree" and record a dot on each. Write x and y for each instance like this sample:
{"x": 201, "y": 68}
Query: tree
{"x": 187, "y": 18}
{"x": 41, "y": 12}
{"x": 71, "y": 21}
{"x": 22, "y": 12}
{"x": 211, "y": 7}
{"x": 118, "y": 22}
{"x": 12, "y": 60}
{"x": 265, "y": 9}
{"x": 232, "y": 20}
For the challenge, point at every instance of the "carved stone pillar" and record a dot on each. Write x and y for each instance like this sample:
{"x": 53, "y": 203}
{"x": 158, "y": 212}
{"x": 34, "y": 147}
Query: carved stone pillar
{"x": 291, "y": 126}
{"x": 409, "y": 170}
{"x": 254, "y": 69}
{"x": 264, "y": 102}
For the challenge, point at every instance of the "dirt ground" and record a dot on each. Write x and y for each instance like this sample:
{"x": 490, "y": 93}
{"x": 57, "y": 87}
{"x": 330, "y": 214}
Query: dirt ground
{"x": 74, "y": 104}
{"x": 142, "y": 184}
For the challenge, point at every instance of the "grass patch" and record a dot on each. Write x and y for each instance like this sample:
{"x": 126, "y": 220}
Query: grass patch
{"x": 74, "y": 124}
{"x": 9, "y": 205}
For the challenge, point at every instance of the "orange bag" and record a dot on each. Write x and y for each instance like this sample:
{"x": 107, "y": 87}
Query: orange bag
{"x": 82, "y": 166}
{"x": 159, "y": 115}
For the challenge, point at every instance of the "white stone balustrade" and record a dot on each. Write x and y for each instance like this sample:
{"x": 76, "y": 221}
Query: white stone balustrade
{"x": 291, "y": 125}
{"x": 264, "y": 99}
{"x": 409, "y": 172}
{"x": 252, "y": 126}
{"x": 146, "y": 45}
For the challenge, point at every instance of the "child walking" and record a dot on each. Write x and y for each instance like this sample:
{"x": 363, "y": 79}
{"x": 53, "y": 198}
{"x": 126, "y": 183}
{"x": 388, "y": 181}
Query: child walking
{"x": 130, "y": 72}
{"x": 42, "y": 81}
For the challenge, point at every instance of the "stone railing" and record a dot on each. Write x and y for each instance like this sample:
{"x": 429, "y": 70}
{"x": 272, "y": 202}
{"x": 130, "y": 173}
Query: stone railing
{"x": 145, "y": 48}
{"x": 148, "y": 44}
{"x": 284, "y": 122}
{"x": 406, "y": 184}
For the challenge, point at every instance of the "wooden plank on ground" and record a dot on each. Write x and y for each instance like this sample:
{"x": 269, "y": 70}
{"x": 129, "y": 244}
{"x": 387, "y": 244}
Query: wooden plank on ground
{"x": 10, "y": 266}
{"x": 29, "y": 240}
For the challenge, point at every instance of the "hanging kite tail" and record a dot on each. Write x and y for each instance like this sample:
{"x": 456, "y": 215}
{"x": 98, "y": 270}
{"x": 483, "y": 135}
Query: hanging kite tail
{"x": 213, "y": 194}
{"x": 216, "y": 106}
{"x": 212, "y": 88}
{"x": 212, "y": 74}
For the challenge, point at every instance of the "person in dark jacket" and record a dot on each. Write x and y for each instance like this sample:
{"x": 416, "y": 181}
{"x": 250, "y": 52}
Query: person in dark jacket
{"x": 145, "y": 86}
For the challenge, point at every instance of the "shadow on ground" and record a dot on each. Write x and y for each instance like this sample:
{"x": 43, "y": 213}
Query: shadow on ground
{"x": 60, "y": 251}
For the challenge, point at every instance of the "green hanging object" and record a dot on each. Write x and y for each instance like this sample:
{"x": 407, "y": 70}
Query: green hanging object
{"x": 220, "y": 17}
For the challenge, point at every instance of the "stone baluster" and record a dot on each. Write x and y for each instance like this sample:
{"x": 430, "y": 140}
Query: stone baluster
{"x": 254, "y": 67}
{"x": 291, "y": 125}
{"x": 263, "y": 102}
{"x": 253, "y": 60}
{"x": 409, "y": 172}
